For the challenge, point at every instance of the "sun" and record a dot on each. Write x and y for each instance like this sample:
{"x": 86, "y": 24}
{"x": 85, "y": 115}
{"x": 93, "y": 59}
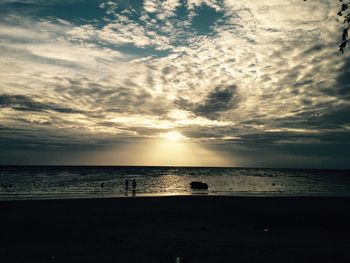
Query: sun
{"x": 173, "y": 136}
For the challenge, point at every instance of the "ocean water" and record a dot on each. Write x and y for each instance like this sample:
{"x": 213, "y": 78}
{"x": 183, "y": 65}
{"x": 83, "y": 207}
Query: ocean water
{"x": 45, "y": 182}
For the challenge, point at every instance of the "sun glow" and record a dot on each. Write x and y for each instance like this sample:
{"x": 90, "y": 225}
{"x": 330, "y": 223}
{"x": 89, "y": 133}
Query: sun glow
{"x": 175, "y": 149}
{"x": 170, "y": 148}
{"x": 173, "y": 136}
{"x": 165, "y": 150}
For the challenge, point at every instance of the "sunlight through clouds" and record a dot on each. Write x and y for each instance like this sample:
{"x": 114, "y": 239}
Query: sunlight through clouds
{"x": 173, "y": 136}
{"x": 247, "y": 73}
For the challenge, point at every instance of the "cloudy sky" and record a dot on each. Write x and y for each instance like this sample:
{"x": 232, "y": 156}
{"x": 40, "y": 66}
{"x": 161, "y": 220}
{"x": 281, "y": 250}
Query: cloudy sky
{"x": 173, "y": 82}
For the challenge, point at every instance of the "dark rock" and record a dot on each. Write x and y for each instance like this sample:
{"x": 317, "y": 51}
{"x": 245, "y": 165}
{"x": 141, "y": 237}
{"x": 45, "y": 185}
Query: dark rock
{"x": 198, "y": 185}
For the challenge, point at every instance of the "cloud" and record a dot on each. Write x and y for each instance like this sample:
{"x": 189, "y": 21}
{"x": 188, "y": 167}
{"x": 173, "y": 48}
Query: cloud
{"x": 41, "y": 2}
{"x": 24, "y": 103}
{"x": 342, "y": 89}
{"x": 162, "y": 9}
{"x": 217, "y": 101}
{"x": 137, "y": 70}
{"x": 216, "y": 5}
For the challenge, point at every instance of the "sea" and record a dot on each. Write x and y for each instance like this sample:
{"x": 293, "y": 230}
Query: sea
{"x": 60, "y": 182}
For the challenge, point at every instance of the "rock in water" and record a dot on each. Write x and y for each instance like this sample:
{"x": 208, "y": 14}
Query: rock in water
{"x": 198, "y": 185}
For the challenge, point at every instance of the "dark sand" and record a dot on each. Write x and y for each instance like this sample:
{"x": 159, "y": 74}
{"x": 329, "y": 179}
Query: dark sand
{"x": 198, "y": 229}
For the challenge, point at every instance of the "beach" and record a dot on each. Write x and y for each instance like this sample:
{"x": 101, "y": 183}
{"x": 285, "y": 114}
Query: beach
{"x": 193, "y": 228}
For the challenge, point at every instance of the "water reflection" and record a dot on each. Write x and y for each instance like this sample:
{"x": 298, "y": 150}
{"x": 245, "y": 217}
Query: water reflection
{"x": 70, "y": 182}
{"x": 199, "y": 192}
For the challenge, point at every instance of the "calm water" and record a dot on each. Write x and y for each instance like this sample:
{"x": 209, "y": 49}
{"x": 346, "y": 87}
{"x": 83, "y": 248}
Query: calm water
{"x": 71, "y": 182}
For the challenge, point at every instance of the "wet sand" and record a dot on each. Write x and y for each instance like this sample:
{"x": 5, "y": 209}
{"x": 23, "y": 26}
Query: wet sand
{"x": 159, "y": 229}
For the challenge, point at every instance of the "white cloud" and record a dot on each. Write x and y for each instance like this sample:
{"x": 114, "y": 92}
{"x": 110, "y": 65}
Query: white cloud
{"x": 163, "y": 9}
{"x": 192, "y": 4}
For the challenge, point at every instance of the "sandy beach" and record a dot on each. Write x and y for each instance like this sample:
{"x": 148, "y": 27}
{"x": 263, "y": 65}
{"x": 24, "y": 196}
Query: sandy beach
{"x": 159, "y": 229}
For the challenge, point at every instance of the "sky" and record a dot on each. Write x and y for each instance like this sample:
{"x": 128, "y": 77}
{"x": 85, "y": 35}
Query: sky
{"x": 175, "y": 82}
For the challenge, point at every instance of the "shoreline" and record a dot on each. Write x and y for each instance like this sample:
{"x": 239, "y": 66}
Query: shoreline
{"x": 21, "y": 197}
{"x": 194, "y": 228}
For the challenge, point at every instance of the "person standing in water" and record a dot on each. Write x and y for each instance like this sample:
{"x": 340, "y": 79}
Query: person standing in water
{"x": 126, "y": 185}
{"x": 133, "y": 187}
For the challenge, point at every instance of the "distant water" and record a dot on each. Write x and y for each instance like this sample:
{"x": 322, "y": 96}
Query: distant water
{"x": 43, "y": 182}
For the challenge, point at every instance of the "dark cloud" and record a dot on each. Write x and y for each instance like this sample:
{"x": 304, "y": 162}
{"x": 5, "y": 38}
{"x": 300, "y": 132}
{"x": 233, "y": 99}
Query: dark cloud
{"x": 204, "y": 132}
{"x": 343, "y": 87}
{"x": 217, "y": 101}
{"x": 35, "y": 138}
{"x": 25, "y": 103}
{"x": 38, "y": 145}
{"x": 288, "y": 149}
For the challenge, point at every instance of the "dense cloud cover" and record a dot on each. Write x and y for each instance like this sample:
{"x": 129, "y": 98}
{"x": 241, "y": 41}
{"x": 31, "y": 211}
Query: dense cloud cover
{"x": 261, "y": 82}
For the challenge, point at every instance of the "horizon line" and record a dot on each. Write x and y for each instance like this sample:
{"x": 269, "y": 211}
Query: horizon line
{"x": 166, "y": 166}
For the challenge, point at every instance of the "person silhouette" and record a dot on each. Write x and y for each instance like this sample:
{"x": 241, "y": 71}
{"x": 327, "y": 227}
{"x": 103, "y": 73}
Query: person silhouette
{"x": 126, "y": 185}
{"x": 133, "y": 187}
